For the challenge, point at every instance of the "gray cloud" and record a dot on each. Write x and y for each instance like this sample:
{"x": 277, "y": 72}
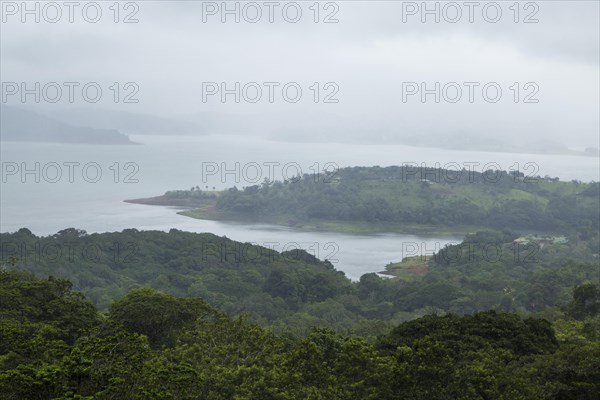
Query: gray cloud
{"x": 368, "y": 54}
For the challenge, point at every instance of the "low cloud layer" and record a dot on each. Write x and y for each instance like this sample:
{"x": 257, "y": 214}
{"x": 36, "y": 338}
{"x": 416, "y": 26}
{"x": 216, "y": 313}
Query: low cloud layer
{"x": 361, "y": 78}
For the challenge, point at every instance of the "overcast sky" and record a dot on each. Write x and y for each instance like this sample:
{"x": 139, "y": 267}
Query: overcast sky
{"x": 371, "y": 55}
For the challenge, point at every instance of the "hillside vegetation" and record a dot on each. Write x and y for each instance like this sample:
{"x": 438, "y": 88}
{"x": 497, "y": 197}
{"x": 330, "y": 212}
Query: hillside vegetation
{"x": 293, "y": 291}
{"x": 55, "y": 345}
{"x": 403, "y": 199}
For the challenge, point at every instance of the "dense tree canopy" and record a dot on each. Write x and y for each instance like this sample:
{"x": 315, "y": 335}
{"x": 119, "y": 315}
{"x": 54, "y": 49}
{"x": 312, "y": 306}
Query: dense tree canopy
{"x": 151, "y": 345}
{"x": 291, "y": 291}
{"x": 412, "y": 195}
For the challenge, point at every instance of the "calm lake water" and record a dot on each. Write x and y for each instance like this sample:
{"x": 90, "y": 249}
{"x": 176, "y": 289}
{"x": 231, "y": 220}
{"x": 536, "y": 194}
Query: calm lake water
{"x": 58, "y": 194}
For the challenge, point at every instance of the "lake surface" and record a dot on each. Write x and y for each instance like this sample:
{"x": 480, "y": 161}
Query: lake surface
{"x": 56, "y": 193}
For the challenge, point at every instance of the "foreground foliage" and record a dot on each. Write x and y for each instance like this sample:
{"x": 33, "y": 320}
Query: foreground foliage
{"x": 150, "y": 345}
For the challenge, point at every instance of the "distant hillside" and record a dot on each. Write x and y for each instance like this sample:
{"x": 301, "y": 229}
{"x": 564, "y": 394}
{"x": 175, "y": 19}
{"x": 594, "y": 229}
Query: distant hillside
{"x": 19, "y": 125}
{"x": 396, "y": 198}
{"x": 126, "y": 122}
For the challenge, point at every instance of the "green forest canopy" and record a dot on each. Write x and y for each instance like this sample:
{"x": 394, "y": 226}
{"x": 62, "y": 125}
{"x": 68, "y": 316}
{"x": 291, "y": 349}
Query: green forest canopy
{"x": 54, "y": 344}
{"x": 294, "y": 290}
{"x": 395, "y": 196}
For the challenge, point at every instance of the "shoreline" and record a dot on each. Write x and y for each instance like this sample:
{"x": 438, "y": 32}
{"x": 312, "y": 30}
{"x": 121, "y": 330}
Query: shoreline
{"x": 206, "y": 210}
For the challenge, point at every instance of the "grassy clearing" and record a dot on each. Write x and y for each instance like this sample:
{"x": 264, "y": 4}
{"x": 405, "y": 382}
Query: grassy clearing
{"x": 409, "y": 268}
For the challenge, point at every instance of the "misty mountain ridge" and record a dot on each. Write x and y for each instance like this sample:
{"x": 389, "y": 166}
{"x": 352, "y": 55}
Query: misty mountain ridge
{"x": 130, "y": 123}
{"x": 20, "y": 125}
{"x": 103, "y": 126}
